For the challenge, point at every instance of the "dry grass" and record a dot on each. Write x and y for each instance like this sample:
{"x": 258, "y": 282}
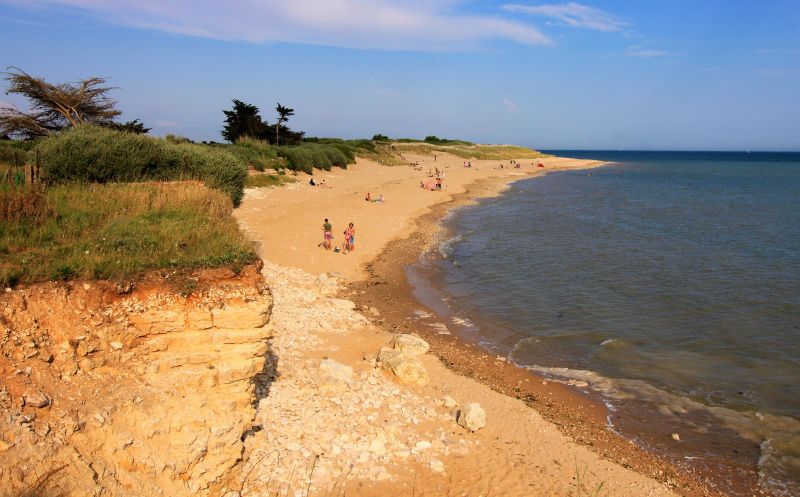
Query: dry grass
{"x": 118, "y": 230}
{"x": 264, "y": 180}
{"x": 480, "y": 152}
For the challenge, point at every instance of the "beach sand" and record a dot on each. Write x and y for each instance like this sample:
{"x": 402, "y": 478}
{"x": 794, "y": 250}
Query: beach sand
{"x": 542, "y": 450}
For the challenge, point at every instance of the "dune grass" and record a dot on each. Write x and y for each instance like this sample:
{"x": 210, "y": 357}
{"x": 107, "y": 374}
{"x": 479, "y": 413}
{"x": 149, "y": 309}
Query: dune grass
{"x": 116, "y": 230}
{"x": 265, "y": 180}
{"x": 93, "y": 154}
{"x": 468, "y": 151}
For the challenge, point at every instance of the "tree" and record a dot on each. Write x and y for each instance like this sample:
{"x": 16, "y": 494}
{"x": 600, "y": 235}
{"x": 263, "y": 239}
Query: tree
{"x": 284, "y": 113}
{"x": 55, "y": 106}
{"x": 135, "y": 126}
{"x": 380, "y": 138}
{"x": 243, "y": 120}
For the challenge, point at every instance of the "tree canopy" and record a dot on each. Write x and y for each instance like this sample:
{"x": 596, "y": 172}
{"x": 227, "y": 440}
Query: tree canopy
{"x": 244, "y": 120}
{"x": 58, "y": 106}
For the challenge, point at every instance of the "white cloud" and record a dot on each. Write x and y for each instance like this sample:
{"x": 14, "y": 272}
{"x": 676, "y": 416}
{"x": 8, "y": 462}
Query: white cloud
{"x": 573, "y": 14}
{"x": 643, "y": 53}
{"x": 381, "y": 24}
{"x": 510, "y": 105}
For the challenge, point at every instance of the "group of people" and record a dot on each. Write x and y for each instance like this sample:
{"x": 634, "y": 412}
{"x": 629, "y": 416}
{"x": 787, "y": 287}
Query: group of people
{"x": 435, "y": 185}
{"x": 369, "y": 198}
{"x": 349, "y": 237}
{"x": 321, "y": 184}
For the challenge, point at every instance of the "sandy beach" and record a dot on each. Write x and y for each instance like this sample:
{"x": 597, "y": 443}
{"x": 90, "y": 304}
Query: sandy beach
{"x": 541, "y": 438}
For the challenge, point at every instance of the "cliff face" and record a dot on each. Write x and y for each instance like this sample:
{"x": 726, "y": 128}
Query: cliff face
{"x": 112, "y": 391}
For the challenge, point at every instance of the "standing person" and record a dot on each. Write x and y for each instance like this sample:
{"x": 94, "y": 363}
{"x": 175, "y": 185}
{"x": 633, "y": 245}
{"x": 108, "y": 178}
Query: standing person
{"x": 350, "y": 238}
{"x": 327, "y": 234}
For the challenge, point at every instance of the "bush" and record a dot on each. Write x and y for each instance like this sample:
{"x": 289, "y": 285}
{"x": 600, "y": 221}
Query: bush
{"x": 98, "y": 155}
{"x": 11, "y": 149}
{"x": 380, "y": 138}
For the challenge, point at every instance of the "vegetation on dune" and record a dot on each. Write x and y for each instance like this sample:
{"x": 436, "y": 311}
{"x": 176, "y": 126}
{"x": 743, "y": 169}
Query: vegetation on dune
{"x": 117, "y": 230}
{"x": 467, "y": 150}
{"x": 263, "y": 180}
{"x": 99, "y": 155}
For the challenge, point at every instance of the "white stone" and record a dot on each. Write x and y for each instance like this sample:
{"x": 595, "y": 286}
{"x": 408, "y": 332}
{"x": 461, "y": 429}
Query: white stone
{"x": 35, "y": 398}
{"x": 410, "y": 344}
{"x": 449, "y": 402}
{"x": 422, "y": 445}
{"x": 335, "y": 375}
{"x": 472, "y": 416}
{"x": 407, "y": 367}
{"x": 116, "y": 345}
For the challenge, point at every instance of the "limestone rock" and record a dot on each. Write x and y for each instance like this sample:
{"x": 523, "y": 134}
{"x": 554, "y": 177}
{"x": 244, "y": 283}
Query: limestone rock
{"x": 472, "y": 416}
{"x": 449, "y": 402}
{"x": 35, "y": 398}
{"x": 410, "y": 344}
{"x": 335, "y": 375}
{"x": 116, "y": 345}
{"x": 406, "y": 366}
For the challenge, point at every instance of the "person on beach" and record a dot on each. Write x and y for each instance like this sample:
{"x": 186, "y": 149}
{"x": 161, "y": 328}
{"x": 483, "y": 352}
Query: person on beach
{"x": 327, "y": 234}
{"x": 380, "y": 198}
{"x": 350, "y": 238}
{"x": 369, "y": 197}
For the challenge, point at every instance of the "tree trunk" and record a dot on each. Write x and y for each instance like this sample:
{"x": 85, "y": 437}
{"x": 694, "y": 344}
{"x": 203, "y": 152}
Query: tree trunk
{"x": 277, "y": 130}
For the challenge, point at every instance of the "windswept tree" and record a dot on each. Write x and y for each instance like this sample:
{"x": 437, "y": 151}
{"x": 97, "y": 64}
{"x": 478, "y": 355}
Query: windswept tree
{"x": 135, "y": 126}
{"x": 55, "y": 106}
{"x": 284, "y": 113}
{"x": 243, "y": 120}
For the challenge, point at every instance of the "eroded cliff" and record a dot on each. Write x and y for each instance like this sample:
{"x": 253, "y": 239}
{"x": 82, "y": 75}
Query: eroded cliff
{"x": 113, "y": 389}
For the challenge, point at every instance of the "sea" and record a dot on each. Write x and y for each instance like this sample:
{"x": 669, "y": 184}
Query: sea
{"x": 672, "y": 277}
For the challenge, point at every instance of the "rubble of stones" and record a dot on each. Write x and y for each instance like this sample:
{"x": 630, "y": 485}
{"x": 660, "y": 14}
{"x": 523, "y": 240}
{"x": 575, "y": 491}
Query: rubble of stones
{"x": 324, "y": 423}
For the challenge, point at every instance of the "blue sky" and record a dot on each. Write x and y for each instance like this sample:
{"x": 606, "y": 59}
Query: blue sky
{"x": 669, "y": 75}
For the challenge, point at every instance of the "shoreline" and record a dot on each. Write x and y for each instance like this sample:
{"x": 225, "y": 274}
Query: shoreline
{"x": 581, "y": 414}
{"x": 376, "y": 283}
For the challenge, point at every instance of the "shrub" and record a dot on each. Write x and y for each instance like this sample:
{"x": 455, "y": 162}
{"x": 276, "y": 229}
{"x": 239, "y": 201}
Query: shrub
{"x": 380, "y": 138}
{"x": 98, "y": 155}
{"x": 258, "y": 154}
{"x": 14, "y": 150}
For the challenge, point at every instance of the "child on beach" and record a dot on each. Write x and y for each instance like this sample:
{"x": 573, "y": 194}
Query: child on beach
{"x": 327, "y": 234}
{"x": 350, "y": 238}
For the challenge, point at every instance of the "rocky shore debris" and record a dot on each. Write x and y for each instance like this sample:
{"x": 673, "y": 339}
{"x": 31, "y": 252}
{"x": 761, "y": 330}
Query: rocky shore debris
{"x": 403, "y": 359}
{"x": 410, "y": 343}
{"x": 472, "y": 416}
{"x": 347, "y": 420}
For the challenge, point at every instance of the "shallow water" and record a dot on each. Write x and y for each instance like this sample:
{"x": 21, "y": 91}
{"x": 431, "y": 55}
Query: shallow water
{"x": 680, "y": 271}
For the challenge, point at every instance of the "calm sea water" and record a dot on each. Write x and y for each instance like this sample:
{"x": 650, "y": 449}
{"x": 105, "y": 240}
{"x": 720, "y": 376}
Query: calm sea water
{"x": 675, "y": 274}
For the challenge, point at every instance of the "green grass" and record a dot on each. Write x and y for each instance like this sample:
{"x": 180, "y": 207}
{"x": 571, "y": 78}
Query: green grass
{"x": 98, "y": 155}
{"x": 469, "y": 151}
{"x": 263, "y": 180}
{"x": 109, "y": 231}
